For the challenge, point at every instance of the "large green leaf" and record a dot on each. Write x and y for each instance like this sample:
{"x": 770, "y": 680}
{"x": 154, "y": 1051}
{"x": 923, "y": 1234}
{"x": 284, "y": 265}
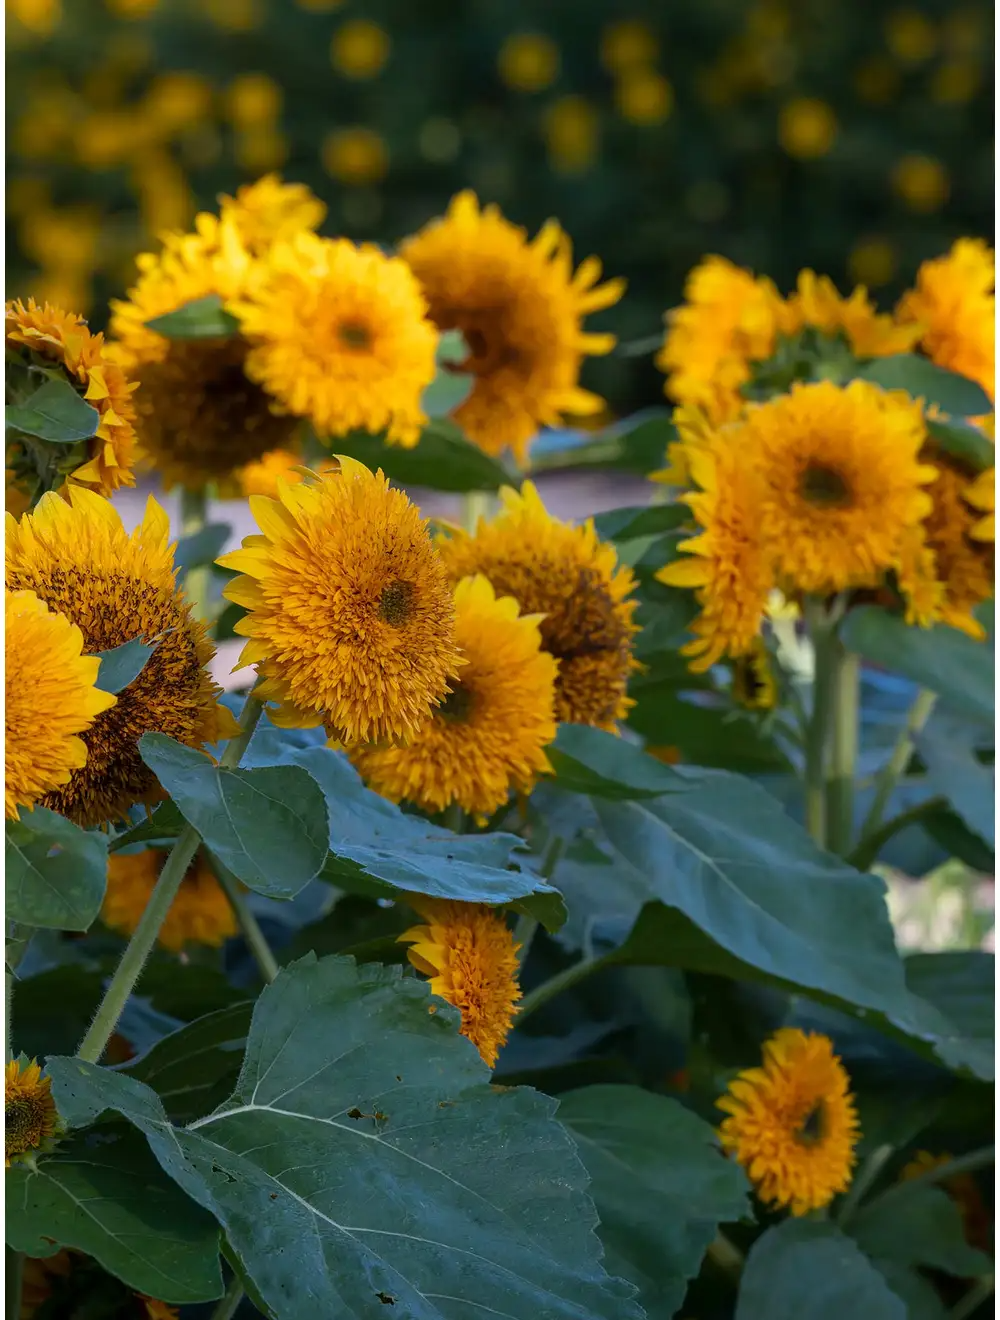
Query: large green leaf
{"x": 56, "y": 872}
{"x": 638, "y": 444}
{"x": 918, "y": 1225}
{"x": 972, "y": 447}
{"x": 806, "y": 1270}
{"x": 202, "y": 318}
{"x": 103, "y": 1193}
{"x": 948, "y": 747}
{"x": 363, "y": 1162}
{"x": 702, "y": 734}
{"x": 193, "y": 1069}
{"x": 123, "y": 665}
{"x": 960, "y": 986}
{"x": 450, "y": 386}
{"x": 942, "y": 659}
{"x": 165, "y": 823}
{"x": 442, "y": 460}
{"x": 922, "y": 378}
{"x": 660, "y": 1184}
{"x": 591, "y": 761}
{"x": 268, "y": 825}
{"x": 56, "y": 413}
{"x": 201, "y": 547}
{"x": 644, "y": 520}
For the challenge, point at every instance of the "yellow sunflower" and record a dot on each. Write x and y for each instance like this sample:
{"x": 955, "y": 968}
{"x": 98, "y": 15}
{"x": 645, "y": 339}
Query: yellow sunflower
{"x": 729, "y": 567}
{"x": 953, "y": 305}
{"x": 103, "y": 463}
{"x": 982, "y": 495}
{"x": 31, "y": 1120}
{"x": 78, "y": 558}
{"x": 469, "y": 953}
{"x": 962, "y": 557}
{"x": 521, "y": 310}
{"x": 200, "y": 415}
{"x": 792, "y": 1123}
{"x": 573, "y": 579}
{"x": 50, "y": 699}
{"x": 816, "y": 303}
{"x": 340, "y": 336}
{"x": 487, "y": 737}
{"x": 842, "y": 482}
{"x": 351, "y": 620}
{"x": 200, "y": 914}
{"x": 755, "y": 683}
{"x": 269, "y": 210}
{"x": 728, "y": 321}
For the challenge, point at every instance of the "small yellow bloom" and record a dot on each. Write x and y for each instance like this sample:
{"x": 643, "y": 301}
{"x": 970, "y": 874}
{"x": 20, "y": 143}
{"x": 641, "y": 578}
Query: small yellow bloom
{"x": 628, "y": 45}
{"x": 572, "y": 134}
{"x": 982, "y": 495}
{"x": 807, "y": 128}
{"x": 357, "y": 156}
{"x": 644, "y": 97}
{"x": 267, "y": 211}
{"x": 469, "y": 953}
{"x": 31, "y": 1120}
{"x": 253, "y": 99}
{"x": 792, "y": 1123}
{"x": 910, "y": 36}
{"x": 921, "y": 181}
{"x": 528, "y": 62}
{"x": 200, "y": 914}
{"x": 359, "y": 49}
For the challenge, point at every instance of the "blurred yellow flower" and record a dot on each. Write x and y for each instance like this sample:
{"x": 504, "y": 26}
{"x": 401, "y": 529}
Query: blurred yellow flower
{"x": 107, "y": 138}
{"x": 355, "y": 155}
{"x": 132, "y": 8}
{"x": 956, "y": 82}
{"x": 165, "y": 198}
{"x": 627, "y": 46}
{"x": 260, "y": 149}
{"x": 175, "y": 100}
{"x": 877, "y": 81}
{"x": 644, "y": 97}
{"x": 910, "y": 36}
{"x": 528, "y": 62}
{"x": 872, "y": 262}
{"x": 40, "y": 17}
{"x": 953, "y": 302}
{"x": 234, "y": 15}
{"x": 253, "y": 100}
{"x": 921, "y": 182}
{"x": 63, "y": 238}
{"x": 807, "y": 128}
{"x": 268, "y": 210}
{"x": 359, "y": 49}
{"x": 571, "y": 129}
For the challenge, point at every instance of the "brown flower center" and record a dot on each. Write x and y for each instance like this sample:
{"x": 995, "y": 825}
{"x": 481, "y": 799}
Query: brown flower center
{"x": 458, "y": 704}
{"x": 395, "y": 605}
{"x": 24, "y": 1123}
{"x": 824, "y": 487}
{"x": 353, "y": 334}
{"x": 812, "y": 1129}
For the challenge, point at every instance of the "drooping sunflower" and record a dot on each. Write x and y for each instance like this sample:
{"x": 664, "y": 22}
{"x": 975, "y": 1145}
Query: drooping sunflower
{"x": 47, "y": 335}
{"x": 31, "y": 1120}
{"x": 954, "y": 308}
{"x": 571, "y": 577}
{"x": 468, "y": 951}
{"x": 487, "y": 737}
{"x": 351, "y": 617}
{"x": 267, "y": 211}
{"x": 792, "y": 1123}
{"x": 50, "y": 699}
{"x": 340, "y": 335}
{"x": 521, "y": 309}
{"x": 726, "y": 563}
{"x": 77, "y": 557}
{"x": 200, "y": 914}
{"x": 957, "y": 537}
{"x": 200, "y": 415}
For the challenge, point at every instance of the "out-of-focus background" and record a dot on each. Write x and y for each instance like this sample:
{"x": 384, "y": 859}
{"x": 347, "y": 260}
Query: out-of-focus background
{"x": 855, "y": 138}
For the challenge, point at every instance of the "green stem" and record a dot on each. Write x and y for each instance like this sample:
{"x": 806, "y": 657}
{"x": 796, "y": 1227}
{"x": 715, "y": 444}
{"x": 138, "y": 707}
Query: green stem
{"x": 967, "y": 1306}
{"x": 476, "y": 504}
{"x": 229, "y": 1301}
{"x": 15, "y": 1279}
{"x": 870, "y": 845}
{"x": 845, "y": 687}
{"x": 817, "y": 734}
{"x": 524, "y": 931}
{"x": 555, "y": 985}
{"x": 864, "y": 1179}
{"x": 256, "y": 941}
{"x": 453, "y": 818}
{"x": 140, "y": 946}
{"x": 917, "y": 716}
{"x": 194, "y": 513}
{"x": 726, "y": 1257}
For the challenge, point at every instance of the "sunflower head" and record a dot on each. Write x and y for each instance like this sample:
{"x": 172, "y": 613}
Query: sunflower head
{"x": 267, "y": 211}
{"x": 48, "y": 336}
{"x": 520, "y": 308}
{"x": 78, "y": 559}
{"x": 488, "y": 735}
{"x": 31, "y": 1120}
{"x": 50, "y": 699}
{"x": 200, "y": 914}
{"x": 351, "y": 617}
{"x": 340, "y": 336}
{"x": 792, "y": 1123}
{"x": 982, "y": 495}
{"x": 572, "y": 578}
{"x": 469, "y": 953}
{"x": 957, "y": 556}
{"x": 816, "y": 304}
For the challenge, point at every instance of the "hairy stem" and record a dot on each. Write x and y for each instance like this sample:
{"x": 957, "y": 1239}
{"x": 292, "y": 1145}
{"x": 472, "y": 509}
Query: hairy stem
{"x": 917, "y": 716}
{"x": 845, "y": 687}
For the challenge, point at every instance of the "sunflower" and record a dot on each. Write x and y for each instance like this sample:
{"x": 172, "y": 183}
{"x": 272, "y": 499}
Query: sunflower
{"x": 488, "y": 735}
{"x": 842, "y": 481}
{"x": 962, "y": 557}
{"x": 729, "y": 320}
{"x": 200, "y": 415}
{"x": 982, "y": 495}
{"x": 816, "y": 304}
{"x": 351, "y": 617}
{"x": 50, "y": 699}
{"x": 78, "y": 558}
{"x": 520, "y": 308}
{"x": 570, "y": 577}
{"x": 469, "y": 953}
{"x": 267, "y": 211}
{"x": 729, "y": 568}
{"x": 340, "y": 336}
{"x": 954, "y": 308}
{"x": 49, "y": 335}
{"x": 792, "y": 1123}
{"x": 755, "y": 683}
{"x": 31, "y": 1120}
{"x": 200, "y": 914}
{"x": 157, "y": 1310}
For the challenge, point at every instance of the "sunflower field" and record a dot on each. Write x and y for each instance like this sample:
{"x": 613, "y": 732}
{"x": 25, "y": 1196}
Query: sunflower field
{"x": 543, "y": 918}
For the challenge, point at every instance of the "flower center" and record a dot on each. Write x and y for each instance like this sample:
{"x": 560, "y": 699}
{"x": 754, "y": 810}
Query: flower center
{"x": 488, "y": 350}
{"x": 825, "y": 487}
{"x": 458, "y": 704}
{"x": 354, "y": 335}
{"x": 396, "y": 603}
{"x": 812, "y": 1129}
{"x": 24, "y": 1120}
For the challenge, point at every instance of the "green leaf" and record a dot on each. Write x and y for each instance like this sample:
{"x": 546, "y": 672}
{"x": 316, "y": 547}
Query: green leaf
{"x": 201, "y": 547}
{"x": 964, "y": 442}
{"x": 363, "y": 1161}
{"x": 103, "y": 1193}
{"x": 54, "y": 1009}
{"x": 943, "y": 659}
{"x": 56, "y": 872}
{"x": 960, "y": 986}
{"x": 921, "y": 1298}
{"x": 948, "y": 747}
{"x": 442, "y": 460}
{"x": 639, "y": 445}
{"x": 268, "y": 826}
{"x": 591, "y": 761}
{"x": 203, "y": 318}
{"x": 951, "y": 833}
{"x": 660, "y": 1184}
{"x": 122, "y": 665}
{"x": 56, "y": 413}
{"x": 193, "y": 1070}
{"x": 918, "y": 1225}
{"x": 804, "y": 1268}
{"x": 649, "y": 520}
{"x": 922, "y": 378}
{"x": 378, "y": 850}
{"x": 165, "y": 823}
{"x": 705, "y": 735}
{"x": 451, "y": 386}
